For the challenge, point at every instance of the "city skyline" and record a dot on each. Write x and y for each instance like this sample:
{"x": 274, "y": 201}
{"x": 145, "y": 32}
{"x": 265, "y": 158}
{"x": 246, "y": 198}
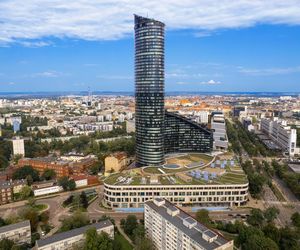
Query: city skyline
{"x": 257, "y": 50}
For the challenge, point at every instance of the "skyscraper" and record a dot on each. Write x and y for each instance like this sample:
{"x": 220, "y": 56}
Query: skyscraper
{"x": 149, "y": 91}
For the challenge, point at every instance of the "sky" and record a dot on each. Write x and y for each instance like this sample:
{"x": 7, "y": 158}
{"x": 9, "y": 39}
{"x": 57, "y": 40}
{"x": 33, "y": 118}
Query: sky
{"x": 216, "y": 45}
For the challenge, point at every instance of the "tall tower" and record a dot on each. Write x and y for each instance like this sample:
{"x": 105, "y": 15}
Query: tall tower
{"x": 149, "y": 91}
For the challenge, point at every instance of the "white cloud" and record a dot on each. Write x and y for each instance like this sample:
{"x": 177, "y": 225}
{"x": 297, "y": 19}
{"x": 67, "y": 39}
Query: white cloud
{"x": 112, "y": 19}
{"x": 269, "y": 71}
{"x": 49, "y": 74}
{"x": 210, "y": 82}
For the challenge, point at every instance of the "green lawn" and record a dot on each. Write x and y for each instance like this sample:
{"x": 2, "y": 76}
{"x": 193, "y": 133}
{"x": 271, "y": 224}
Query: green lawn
{"x": 40, "y": 207}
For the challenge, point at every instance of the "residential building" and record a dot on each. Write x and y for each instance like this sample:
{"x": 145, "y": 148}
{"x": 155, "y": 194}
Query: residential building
{"x": 18, "y": 146}
{"x": 6, "y": 194}
{"x": 281, "y": 134}
{"x": 73, "y": 238}
{"x": 18, "y": 232}
{"x": 170, "y": 228}
{"x": 218, "y": 126}
{"x": 115, "y": 162}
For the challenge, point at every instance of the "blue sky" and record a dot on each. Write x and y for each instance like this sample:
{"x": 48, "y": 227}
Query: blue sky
{"x": 251, "y": 49}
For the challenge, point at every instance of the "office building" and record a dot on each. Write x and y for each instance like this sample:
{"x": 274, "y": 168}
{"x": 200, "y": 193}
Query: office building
{"x": 73, "y": 238}
{"x": 149, "y": 91}
{"x": 218, "y": 126}
{"x": 281, "y": 134}
{"x": 18, "y": 146}
{"x": 157, "y": 131}
{"x": 170, "y": 228}
{"x": 19, "y": 232}
{"x": 184, "y": 135}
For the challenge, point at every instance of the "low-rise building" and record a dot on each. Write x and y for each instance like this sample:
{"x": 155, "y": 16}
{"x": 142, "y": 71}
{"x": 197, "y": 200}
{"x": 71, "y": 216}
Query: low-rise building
{"x": 47, "y": 190}
{"x": 170, "y": 228}
{"x": 18, "y": 232}
{"x": 73, "y": 238}
{"x": 116, "y": 161}
{"x": 6, "y": 194}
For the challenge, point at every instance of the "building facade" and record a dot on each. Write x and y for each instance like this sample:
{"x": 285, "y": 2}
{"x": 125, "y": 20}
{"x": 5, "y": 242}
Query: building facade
{"x": 18, "y": 146}
{"x": 6, "y": 194}
{"x": 73, "y": 238}
{"x": 149, "y": 91}
{"x": 183, "y": 135}
{"x": 281, "y": 134}
{"x": 218, "y": 126}
{"x": 170, "y": 228}
{"x": 18, "y": 232}
{"x": 134, "y": 196}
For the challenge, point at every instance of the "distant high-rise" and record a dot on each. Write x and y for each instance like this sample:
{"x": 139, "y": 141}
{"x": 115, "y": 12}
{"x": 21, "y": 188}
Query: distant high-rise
{"x": 149, "y": 91}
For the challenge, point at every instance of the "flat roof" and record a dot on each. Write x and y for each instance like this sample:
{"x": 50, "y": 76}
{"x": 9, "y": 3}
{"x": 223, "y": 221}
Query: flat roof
{"x": 195, "y": 233}
{"x": 15, "y": 226}
{"x": 72, "y": 233}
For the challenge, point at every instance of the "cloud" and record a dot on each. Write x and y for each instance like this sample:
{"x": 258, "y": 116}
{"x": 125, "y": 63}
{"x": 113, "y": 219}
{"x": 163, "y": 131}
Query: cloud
{"x": 112, "y": 19}
{"x": 210, "y": 82}
{"x": 115, "y": 77}
{"x": 269, "y": 71}
{"x": 48, "y": 74}
{"x": 7, "y": 83}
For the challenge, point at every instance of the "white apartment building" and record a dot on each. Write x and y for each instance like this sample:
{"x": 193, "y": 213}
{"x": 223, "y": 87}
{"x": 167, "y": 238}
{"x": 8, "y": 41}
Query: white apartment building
{"x": 218, "y": 126}
{"x": 18, "y": 232}
{"x": 18, "y": 146}
{"x": 73, "y": 238}
{"x": 134, "y": 196}
{"x": 281, "y": 134}
{"x": 170, "y": 228}
{"x": 202, "y": 117}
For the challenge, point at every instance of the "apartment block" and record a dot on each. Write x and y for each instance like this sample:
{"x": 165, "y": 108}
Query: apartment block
{"x": 18, "y": 232}
{"x": 172, "y": 229}
{"x": 73, "y": 238}
{"x": 18, "y": 146}
{"x": 281, "y": 134}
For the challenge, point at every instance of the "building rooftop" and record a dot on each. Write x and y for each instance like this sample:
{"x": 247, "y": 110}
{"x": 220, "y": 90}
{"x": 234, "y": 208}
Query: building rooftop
{"x": 202, "y": 235}
{"x": 72, "y": 233}
{"x": 15, "y": 226}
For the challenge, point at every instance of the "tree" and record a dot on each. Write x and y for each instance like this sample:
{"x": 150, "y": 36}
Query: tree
{"x": 71, "y": 185}
{"x": 6, "y": 244}
{"x": 131, "y": 223}
{"x": 202, "y": 216}
{"x": 272, "y": 232}
{"x": 138, "y": 233}
{"x": 63, "y": 182}
{"x": 296, "y": 219}
{"x": 24, "y": 172}
{"x": 271, "y": 214}
{"x": 2, "y": 222}
{"x": 95, "y": 241}
{"x": 31, "y": 202}
{"x": 44, "y": 217}
{"x": 259, "y": 242}
{"x": 75, "y": 221}
{"x": 49, "y": 174}
{"x": 144, "y": 244}
{"x": 83, "y": 200}
{"x": 25, "y": 192}
{"x": 289, "y": 239}
{"x": 256, "y": 217}
{"x": 32, "y": 215}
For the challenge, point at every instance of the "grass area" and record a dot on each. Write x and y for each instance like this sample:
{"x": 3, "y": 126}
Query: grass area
{"x": 277, "y": 193}
{"x": 40, "y": 207}
{"x": 125, "y": 245}
{"x": 152, "y": 170}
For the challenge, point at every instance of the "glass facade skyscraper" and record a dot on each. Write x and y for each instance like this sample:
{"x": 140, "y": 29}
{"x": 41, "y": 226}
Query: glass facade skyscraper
{"x": 149, "y": 91}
